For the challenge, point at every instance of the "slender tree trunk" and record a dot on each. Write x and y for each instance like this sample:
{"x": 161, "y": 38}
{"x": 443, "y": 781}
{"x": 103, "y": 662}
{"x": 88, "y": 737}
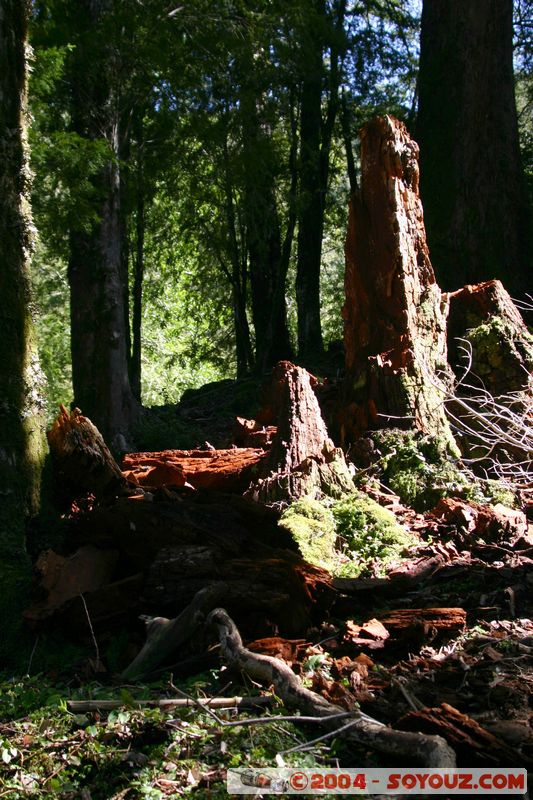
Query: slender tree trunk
{"x": 348, "y": 146}
{"x": 138, "y": 278}
{"x": 22, "y": 444}
{"x": 243, "y": 340}
{"x": 237, "y": 277}
{"x": 472, "y": 187}
{"x": 98, "y": 320}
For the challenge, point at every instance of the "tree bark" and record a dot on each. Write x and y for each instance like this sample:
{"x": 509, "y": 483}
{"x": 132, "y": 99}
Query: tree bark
{"x": 98, "y": 320}
{"x": 310, "y": 222}
{"x": 477, "y": 215}
{"x": 395, "y": 318}
{"x": 238, "y": 279}
{"x": 82, "y": 460}
{"x": 22, "y": 443}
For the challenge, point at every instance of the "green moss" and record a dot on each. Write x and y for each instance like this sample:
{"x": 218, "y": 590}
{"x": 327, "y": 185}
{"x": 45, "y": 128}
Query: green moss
{"x": 349, "y": 537}
{"x": 418, "y": 468}
{"x": 312, "y": 526}
{"x": 368, "y": 533}
{"x": 499, "y": 356}
{"x": 420, "y": 471}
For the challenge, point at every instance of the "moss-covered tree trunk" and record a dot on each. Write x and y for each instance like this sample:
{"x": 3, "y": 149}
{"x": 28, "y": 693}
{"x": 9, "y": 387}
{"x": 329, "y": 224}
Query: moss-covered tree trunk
{"x": 395, "y": 317}
{"x": 477, "y": 219}
{"x": 22, "y": 443}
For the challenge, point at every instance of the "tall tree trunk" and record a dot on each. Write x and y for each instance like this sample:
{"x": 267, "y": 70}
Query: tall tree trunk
{"x": 315, "y": 145}
{"x": 237, "y": 277}
{"x": 98, "y": 321}
{"x": 475, "y": 205}
{"x": 22, "y": 444}
{"x": 267, "y": 277}
{"x": 310, "y": 223}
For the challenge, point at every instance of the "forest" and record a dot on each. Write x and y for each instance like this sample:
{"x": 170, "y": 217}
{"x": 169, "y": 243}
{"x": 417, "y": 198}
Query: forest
{"x": 266, "y": 394}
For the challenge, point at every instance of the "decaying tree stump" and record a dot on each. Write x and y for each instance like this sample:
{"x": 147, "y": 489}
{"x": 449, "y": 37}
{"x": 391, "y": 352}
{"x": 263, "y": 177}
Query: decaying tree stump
{"x": 82, "y": 460}
{"x": 303, "y": 461}
{"x": 484, "y": 318}
{"x": 395, "y": 316}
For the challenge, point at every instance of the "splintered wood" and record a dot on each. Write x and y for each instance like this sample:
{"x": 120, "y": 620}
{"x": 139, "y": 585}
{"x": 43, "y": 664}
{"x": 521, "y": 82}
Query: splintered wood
{"x": 226, "y": 470}
{"x": 82, "y": 459}
{"x": 303, "y": 461}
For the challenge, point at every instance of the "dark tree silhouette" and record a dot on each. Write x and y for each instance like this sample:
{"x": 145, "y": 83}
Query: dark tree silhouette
{"x": 472, "y": 187}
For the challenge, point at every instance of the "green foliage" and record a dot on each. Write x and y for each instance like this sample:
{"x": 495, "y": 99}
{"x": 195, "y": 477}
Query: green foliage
{"x": 52, "y": 322}
{"x": 312, "y": 526}
{"x": 368, "y": 533}
{"x": 46, "y": 751}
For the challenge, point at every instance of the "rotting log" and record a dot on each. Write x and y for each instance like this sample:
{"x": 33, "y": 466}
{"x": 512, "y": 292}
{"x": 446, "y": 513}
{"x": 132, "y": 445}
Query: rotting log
{"x": 224, "y": 470}
{"x": 472, "y": 521}
{"x": 430, "y": 751}
{"x": 302, "y": 461}
{"x": 63, "y": 579}
{"x": 473, "y": 743}
{"x": 171, "y": 549}
{"x": 394, "y": 314}
{"x": 251, "y": 433}
{"x": 82, "y": 460}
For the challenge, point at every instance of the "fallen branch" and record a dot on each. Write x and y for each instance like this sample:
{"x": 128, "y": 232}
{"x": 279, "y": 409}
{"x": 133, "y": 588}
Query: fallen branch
{"x": 431, "y": 751}
{"x": 81, "y": 706}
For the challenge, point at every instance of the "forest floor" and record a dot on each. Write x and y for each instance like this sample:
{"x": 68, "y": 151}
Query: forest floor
{"x": 470, "y": 680}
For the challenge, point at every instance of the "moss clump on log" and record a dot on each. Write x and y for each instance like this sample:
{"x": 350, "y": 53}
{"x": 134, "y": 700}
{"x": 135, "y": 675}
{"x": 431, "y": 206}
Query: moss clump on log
{"x": 350, "y": 536}
{"x": 312, "y": 526}
{"x": 420, "y": 471}
{"x": 485, "y": 316}
{"x": 369, "y": 534}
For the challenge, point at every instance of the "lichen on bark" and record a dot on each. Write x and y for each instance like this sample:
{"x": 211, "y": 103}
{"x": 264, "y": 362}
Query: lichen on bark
{"x": 22, "y": 442}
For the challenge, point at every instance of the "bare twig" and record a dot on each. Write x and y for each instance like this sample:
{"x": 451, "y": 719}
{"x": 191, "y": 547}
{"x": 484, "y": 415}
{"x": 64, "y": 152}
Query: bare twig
{"x": 98, "y": 662}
